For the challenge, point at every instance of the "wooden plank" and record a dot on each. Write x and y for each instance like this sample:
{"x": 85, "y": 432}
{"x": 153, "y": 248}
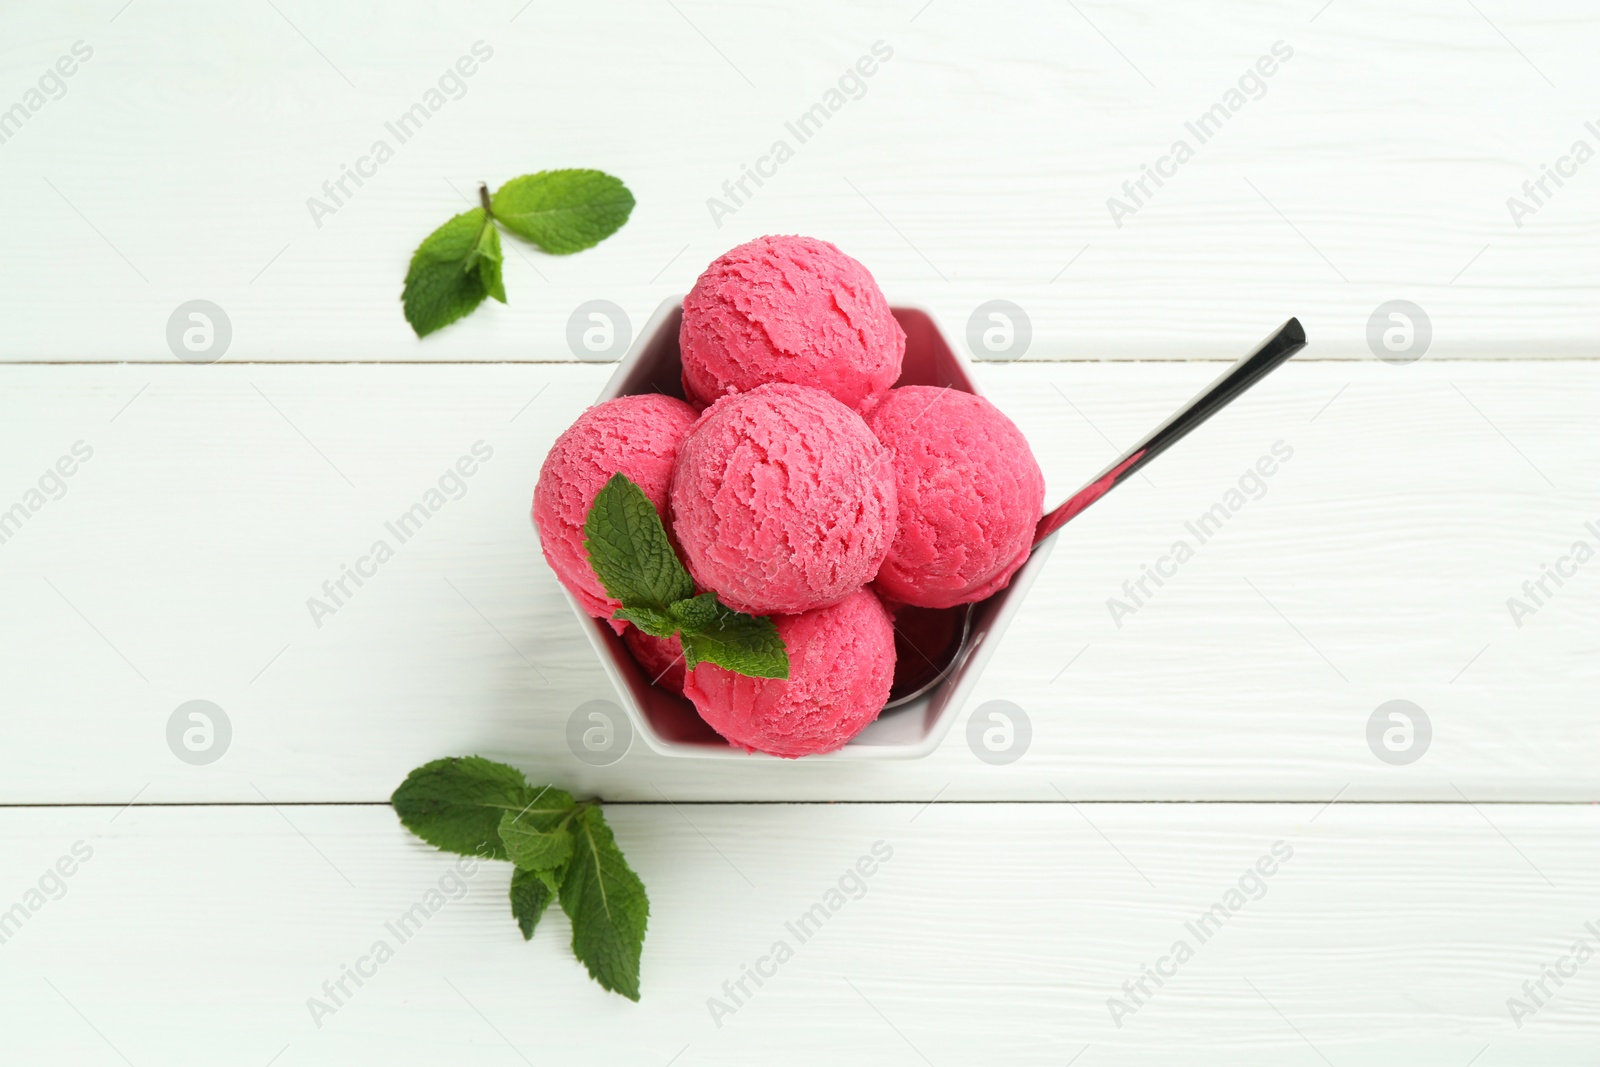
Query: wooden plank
{"x": 1388, "y": 935}
{"x": 1376, "y": 565}
{"x": 1374, "y": 164}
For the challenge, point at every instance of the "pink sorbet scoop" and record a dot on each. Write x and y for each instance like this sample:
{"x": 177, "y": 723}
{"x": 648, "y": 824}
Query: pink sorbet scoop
{"x": 841, "y": 664}
{"x": 969, "y": 494}
{"x": 782, "y": 500}
{"x": 661, "y": 658}
{"x": 789, "y": 309}
{"x": 633, "y": 435}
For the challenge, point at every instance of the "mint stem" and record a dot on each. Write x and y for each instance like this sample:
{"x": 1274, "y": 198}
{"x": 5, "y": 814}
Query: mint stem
{"x": 483, "y": 198}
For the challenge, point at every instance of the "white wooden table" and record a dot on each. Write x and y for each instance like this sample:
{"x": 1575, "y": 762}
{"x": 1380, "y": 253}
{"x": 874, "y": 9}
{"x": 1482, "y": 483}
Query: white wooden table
{"x": 1227, "y": 714}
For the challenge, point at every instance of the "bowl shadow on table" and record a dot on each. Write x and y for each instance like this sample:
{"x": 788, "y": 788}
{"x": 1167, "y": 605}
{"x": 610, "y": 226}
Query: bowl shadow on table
{"x": 670, "y": 725}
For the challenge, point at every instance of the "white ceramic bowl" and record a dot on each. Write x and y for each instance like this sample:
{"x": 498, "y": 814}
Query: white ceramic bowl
{"x": 668, "y": 723}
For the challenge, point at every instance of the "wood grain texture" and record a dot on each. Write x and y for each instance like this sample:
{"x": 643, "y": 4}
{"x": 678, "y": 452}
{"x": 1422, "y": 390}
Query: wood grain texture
{"x": 1375, "y": 565}
{"x": 1375, "y": 164}
{"x": 992, "y": 934}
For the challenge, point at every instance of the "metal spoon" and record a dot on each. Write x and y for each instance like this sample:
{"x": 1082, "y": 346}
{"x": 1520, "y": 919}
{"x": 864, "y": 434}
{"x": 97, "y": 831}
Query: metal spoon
{"x": 939, "y": 636}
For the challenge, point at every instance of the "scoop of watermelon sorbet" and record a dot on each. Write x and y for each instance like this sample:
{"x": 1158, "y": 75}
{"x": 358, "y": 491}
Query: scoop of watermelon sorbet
{"x": 660, "y": 658}
{"x": 782, "y": 500}
{"x": 789, "y": 309}
{"x": 841, "y": 665}
{"x": 969, "y": 494}
{"x": 637, "y": 436}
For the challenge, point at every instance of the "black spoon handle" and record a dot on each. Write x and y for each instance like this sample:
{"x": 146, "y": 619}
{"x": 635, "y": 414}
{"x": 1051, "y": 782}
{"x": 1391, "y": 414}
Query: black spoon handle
{"x": 1289, "y": 339}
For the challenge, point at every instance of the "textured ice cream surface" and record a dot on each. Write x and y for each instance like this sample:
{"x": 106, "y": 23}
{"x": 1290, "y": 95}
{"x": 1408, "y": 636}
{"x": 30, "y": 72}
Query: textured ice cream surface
{"x": 968, "y": 491}
{"x": 782, "y": 500}
{"x": 841, "y": 665}
{"x": 789, "y": 309}
{"x": 637, "y": 436}
{"x": 660, "y": 658}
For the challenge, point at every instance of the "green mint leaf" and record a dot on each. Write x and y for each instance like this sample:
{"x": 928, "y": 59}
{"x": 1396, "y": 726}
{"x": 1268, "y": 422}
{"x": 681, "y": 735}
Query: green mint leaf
{"x": 538, "y": 839}
{"x": 748, "y": 644}
{"x": 563, "y": 211}
{"x": 696, "y": 613}
{"x": 607, "y": 905}
{"x": 487, "y": 260}
{"x": 653, "y": 622}
{"x": 444, "y": 281}
{"x": 531, "y": 894}
{"x": 629, "y": 550}
{"x": 457, "y": 804}
{"x": 631, "y": 555}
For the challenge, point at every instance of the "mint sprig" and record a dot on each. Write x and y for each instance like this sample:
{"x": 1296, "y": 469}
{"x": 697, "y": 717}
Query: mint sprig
{"x": 563, "y": 850}
{"x": 631, "y": 555}
{"x": 458, "y": 265}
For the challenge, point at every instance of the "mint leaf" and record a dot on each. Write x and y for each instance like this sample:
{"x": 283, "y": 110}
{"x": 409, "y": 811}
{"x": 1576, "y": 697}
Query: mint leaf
{"x": 563, "y": 211}
{"x": 748, "y": 644}
{"x": 696, "y": 613}
{"x": 452, "y": 271}
{"x": 488, "y": 260}
{"x": 653, "y": 622}
{"x": 460, "y": 264}
{"x": 631, "y": 555}
{"x": 531, "y": 894}
{"x": 629, "y": 550}
{"x": 456, "y": 804}
{"x": 607, "y": 905}
{"x": 537, "y": 839}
